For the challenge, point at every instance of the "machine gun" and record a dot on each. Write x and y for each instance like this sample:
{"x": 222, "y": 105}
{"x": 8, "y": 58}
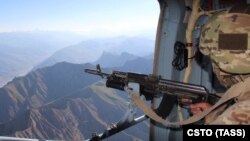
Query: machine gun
{"x": 152, "y": 86}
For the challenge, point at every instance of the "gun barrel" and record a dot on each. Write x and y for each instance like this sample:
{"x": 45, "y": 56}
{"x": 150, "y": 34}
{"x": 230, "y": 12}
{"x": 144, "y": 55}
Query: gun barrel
{"x": 96, "y": 72}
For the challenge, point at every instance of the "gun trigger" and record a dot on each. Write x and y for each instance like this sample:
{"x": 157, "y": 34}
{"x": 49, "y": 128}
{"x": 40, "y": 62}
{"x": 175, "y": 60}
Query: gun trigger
{"x": 184, "y": 103}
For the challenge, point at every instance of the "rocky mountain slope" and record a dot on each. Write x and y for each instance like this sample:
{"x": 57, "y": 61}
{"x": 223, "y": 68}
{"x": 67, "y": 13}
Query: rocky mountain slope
{"x": 63, "y": 102}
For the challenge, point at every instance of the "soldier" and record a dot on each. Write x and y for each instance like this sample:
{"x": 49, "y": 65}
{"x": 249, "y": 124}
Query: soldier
{"x": 225, "y": 39}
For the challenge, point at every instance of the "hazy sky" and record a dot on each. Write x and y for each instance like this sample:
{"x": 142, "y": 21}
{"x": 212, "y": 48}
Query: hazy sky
{"x": 78, "y": 15}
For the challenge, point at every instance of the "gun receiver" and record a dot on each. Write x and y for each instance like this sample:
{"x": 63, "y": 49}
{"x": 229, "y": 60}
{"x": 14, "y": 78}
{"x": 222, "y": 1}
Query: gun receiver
{"x": 153, "y": 86}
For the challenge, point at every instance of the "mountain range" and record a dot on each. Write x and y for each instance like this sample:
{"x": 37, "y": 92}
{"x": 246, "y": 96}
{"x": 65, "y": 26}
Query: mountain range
{"x": 45, "y": 93}
{"x": 21, "y": 51}
{"x": 94, "y": 50}
{"x": 63, "y": 102}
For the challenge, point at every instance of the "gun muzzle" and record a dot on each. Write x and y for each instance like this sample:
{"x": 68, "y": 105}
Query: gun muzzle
{"x": 97, "y": 72}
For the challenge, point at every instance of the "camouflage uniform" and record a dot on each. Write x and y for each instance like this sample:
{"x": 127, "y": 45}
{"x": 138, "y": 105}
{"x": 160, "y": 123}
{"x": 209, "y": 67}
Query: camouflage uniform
{"x": 239, "y": 112}
{"x": 225, "y": 39}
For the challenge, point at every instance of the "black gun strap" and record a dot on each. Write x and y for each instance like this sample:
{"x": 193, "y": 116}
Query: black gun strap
{"x": 232, "y": 93}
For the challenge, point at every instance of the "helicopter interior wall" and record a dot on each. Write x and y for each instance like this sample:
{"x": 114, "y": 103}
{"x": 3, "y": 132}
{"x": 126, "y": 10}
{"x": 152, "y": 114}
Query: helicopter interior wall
{"x": 173, "y": 29}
